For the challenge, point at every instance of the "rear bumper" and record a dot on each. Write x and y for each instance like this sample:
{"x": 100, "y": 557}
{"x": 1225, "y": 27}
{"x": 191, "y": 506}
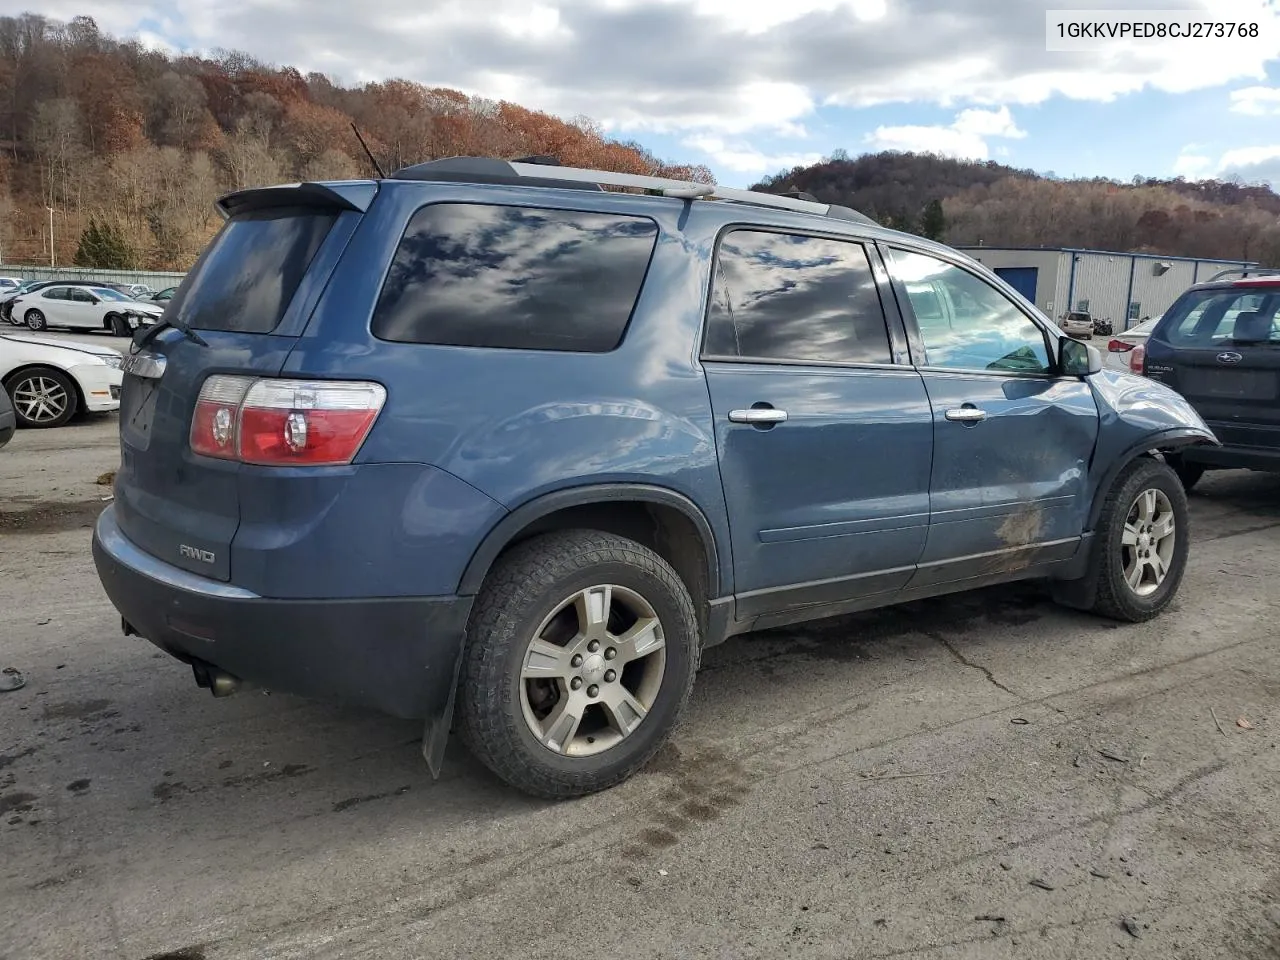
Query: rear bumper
{"x": 398, "y": 656}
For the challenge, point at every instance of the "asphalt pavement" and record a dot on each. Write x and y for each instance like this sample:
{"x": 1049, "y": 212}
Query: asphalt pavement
{"x": 982, "y": 776}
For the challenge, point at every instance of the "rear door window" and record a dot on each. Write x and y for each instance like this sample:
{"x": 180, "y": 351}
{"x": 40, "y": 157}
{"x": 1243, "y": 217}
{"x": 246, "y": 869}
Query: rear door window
{"x": 790, "y": 297}
{"x": 480, "y": 275}
{"x": 247, "y": 277}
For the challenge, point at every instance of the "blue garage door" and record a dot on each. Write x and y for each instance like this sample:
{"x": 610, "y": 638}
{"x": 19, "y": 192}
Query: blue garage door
{"x": 1022, "y": 279}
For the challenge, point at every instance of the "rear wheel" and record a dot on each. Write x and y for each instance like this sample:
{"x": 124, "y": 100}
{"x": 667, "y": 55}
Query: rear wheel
{"x": 42, "y": 397}
{"x": 582, "y": 650}
{"x": 1141, "y": 544}
{"x": 35, "y": 320}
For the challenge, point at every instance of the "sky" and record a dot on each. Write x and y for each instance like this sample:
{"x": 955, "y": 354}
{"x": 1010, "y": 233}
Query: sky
{"x": 750, "y": 88}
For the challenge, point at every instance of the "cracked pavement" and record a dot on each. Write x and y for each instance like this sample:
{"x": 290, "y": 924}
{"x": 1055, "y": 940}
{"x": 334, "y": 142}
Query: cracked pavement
{"x": 863, "y": 787}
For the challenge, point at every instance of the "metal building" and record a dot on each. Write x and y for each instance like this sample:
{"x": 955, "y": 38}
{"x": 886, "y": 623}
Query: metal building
{"x": 1122, "y": 287}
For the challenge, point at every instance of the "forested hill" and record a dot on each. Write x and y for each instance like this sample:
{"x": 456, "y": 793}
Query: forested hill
{"x": 1001, "y": 206}
{"x": 140, "y": 144}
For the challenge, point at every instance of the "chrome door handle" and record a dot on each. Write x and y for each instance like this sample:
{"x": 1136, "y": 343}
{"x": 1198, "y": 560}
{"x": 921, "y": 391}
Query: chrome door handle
{"x": 966, "y": 415}
{"x": 758, "y": 415}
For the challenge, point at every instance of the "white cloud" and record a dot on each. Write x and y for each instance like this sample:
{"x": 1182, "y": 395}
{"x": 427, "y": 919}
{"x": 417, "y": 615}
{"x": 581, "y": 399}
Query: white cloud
{"x": 964, "y": 138}
{"x": 759, "y": 16}
{"x": 1192, "y": 165}
{"x": 763, "y": 105}
{"x": 703, "y": 65}
{"x": 1250, "y": 164}
{"x": 732, "y": 70}
{"x": 1256, "y": 101}
{"x": 742, "y": 158}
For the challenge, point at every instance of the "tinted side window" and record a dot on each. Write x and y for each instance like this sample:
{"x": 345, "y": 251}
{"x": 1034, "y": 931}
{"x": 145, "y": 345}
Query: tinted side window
{"x": 247, "y": 277}
{"x": 56, "y": 293}
{"x": 79, "y": 296}
{"x": 978, "y": 328}
{"x": 782, "y": 296}
{"x": 475, "y": 275}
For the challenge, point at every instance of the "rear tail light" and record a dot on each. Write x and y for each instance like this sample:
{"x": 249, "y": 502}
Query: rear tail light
{"x": 284, "y": 422}
{"x": 1119, "y": 346}
{"x": 1137, "y": 359}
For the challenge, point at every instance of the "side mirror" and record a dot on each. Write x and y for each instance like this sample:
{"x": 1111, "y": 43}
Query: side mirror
{"x": 1077, "y": 359}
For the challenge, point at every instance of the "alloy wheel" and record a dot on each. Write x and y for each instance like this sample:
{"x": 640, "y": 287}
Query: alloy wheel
{"x": 592, "y": 671}
{"x": 1148, "y": 541}
{"x": 40, "y": 399}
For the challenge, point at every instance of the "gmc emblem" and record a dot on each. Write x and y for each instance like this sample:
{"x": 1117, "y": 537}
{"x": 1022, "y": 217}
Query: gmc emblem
{"x": 195, "y": 553}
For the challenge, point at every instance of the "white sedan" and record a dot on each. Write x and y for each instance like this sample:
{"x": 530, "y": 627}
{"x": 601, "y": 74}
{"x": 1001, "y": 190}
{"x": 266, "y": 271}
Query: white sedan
{"x": 82, "y": 307}
{"x": 1119, "y": 355}
{"x": 50, "y": 380}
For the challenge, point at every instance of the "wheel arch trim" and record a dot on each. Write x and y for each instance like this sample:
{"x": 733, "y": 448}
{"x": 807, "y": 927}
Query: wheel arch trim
{"x": 513, "y": 523}
{"x": 1173, "y": 439}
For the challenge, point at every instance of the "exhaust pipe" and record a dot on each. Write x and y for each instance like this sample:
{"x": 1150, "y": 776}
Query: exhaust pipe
{"x": 218, "y": 682}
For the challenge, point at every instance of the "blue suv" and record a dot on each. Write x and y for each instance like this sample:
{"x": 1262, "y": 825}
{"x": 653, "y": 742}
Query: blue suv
{"x": 485, "y": 444}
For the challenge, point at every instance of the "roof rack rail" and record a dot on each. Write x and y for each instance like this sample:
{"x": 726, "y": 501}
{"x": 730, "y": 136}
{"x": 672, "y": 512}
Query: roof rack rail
{"x": 1243, "y": 272}
{"x": 536, "y": 171}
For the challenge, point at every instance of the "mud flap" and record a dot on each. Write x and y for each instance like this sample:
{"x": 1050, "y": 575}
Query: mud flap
{"x": 435, "y": 731}
{"x": 435, "y": 736}
{"x": 1078, "y": 588}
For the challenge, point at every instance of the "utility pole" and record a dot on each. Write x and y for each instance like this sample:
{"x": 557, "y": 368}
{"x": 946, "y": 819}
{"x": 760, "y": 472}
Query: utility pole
{"x": 51, "y": 263}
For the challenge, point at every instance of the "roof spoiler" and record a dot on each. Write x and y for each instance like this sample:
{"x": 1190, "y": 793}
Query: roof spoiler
{"x": 340, "y": 195}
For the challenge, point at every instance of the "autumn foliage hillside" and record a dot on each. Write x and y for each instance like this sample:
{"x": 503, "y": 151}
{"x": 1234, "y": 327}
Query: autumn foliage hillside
{"x": 105, "y": 129}
{"x": 988, "y": 202}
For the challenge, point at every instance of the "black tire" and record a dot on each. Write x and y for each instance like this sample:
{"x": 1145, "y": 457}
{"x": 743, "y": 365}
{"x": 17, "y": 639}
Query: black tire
{"x": 1110, "y": 593}
{"x": 35, "y": 320}
{"x": 526, "y": 586}
{"x": 117, "y": 325}
{"x": 26, "y": 384}
{"x": 1188, "y": 473}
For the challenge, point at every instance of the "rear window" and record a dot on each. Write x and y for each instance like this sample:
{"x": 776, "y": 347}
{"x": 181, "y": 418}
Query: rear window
{"x": 477, "y": 275}
{"x": 245, "y": 280}
{"x": 1211, "y": 318}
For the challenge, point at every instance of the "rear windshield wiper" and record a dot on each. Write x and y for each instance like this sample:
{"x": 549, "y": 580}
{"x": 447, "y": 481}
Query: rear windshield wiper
{"x": 150, "y": 334}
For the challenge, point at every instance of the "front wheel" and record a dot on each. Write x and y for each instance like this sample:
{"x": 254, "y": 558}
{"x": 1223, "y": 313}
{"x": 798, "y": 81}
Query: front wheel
{"x": 1141, "y": 544}
{"x": 117, "y": 325}
{"x": 582, "y": 649}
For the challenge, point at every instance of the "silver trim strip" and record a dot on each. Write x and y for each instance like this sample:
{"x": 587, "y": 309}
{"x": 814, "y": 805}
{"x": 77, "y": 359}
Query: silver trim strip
{"x": 145, "y": 364}
{"x": 121, "y": 549}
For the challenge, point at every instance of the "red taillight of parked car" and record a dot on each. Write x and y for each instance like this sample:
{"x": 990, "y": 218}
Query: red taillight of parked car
{"x": 284, "y": 422}
{"x": 1137, "y": 359}
{"x": 1119, "y": 346}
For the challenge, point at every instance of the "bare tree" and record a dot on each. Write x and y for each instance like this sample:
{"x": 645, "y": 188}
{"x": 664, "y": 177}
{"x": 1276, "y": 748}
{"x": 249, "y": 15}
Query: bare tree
{"x": 56, "y": 135}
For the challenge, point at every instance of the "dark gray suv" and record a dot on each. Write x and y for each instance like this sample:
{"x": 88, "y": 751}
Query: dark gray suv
{"x": 486, "y": 436}
{"x": 1219, "y": 346}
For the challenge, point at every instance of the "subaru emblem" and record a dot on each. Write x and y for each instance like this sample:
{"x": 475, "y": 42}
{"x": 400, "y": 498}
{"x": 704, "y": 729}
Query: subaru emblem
{"x": 1230, "y": 357}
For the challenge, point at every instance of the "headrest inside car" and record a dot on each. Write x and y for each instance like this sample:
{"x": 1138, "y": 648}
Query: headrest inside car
{"x": 1252, "y": 326}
